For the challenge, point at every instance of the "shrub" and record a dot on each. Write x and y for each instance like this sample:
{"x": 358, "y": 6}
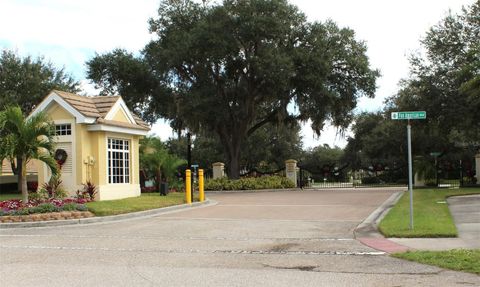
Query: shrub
{"x": 23, "y": 211}
{"x": 81, "y": 207}
{"x": 431, "y": 183}
{"x": 402, "y": 181}
{"x": 90, "y": 189}
{"x": 69, "y": 206}
{"x": 46, "y": 207}
{"x": 266, "y": 182}
{"x": 148, "y": 189}
{"x": 36, "y": 196}
{"x": 371, "y": 180}
{"x": 53, "y": 188}
{"x": 216, "y": 184}
{"x": 176, "y": 186}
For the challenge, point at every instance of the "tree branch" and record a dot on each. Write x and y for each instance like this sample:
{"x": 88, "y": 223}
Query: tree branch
{"x": 267, "y": 119}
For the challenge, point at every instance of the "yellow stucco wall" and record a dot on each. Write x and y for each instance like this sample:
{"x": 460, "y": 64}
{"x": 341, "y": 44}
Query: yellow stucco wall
{"x": 59, "y": 115}
{"x": 56, "y": 112}
{"x": 99, "y": 171}
{"x": 87, "y": 154}
{"x": 120, "y": 117}
{"x": 116, "y": 191}
{"x": 93, "y": 145}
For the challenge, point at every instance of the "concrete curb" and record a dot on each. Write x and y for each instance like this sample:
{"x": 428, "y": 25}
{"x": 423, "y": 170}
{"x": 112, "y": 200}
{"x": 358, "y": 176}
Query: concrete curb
{"x": 305, "y": 189}
{"x": 368, "y": 228}
{"x": 252, "y": 190}
{"x": 112, "y": 218}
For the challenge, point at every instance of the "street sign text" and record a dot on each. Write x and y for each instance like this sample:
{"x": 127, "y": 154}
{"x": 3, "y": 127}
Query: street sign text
{"x": 418, "y": 115}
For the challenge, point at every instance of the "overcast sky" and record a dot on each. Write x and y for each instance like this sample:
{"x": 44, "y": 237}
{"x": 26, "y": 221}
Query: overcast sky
{"x": 69, "y": 32}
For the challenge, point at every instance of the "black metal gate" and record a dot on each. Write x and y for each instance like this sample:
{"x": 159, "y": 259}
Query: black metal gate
{"x": 454, "y": 173}
{"x": 342, "y": 176}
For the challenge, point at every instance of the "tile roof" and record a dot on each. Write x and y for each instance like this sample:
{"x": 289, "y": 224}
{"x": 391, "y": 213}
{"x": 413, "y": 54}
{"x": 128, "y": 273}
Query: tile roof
{"x": 140, "y": 122}
{"x": 104, "y": 103}
{"x": 121, "y": 124}
{"x": 84, "y": 105}
{"x": 98, "y": 107}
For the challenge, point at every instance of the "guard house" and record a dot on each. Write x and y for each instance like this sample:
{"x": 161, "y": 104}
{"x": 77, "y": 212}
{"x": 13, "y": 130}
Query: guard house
{"x": 98, "y": 141}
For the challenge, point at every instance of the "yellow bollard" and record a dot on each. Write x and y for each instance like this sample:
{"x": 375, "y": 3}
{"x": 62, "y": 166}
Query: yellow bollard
{"x": 188, "y": 186}
{"x": 200, "y": 186}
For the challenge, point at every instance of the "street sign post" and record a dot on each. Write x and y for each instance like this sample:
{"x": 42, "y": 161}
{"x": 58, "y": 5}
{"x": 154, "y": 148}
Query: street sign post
{"x": 416, "y": 115}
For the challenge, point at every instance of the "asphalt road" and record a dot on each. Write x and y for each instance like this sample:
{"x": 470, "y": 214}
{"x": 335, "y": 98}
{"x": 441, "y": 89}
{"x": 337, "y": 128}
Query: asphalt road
{"x": 249, "y": 239}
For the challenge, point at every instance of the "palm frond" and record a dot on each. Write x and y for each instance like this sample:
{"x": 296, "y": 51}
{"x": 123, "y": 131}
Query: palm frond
{"x": 49, "y": 161}
{"x": 32, "y": 138}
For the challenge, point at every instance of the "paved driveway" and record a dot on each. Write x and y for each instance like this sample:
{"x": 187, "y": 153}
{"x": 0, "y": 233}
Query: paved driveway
{"x": 249, "y": 239}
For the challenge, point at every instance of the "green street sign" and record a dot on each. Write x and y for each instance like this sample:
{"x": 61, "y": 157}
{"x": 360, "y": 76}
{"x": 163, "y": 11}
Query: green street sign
{"x": 418, "y": 115}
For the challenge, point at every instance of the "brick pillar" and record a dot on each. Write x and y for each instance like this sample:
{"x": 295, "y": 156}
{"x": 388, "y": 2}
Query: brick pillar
{"x": 477, "y": 167}
{"x": 218, "y": 170}
{"x": 291, "y": 170}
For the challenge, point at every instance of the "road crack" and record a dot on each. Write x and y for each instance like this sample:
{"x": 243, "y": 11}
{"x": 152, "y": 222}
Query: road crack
{"x": 311, "y": 268}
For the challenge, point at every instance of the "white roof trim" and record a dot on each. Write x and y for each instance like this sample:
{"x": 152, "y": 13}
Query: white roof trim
{"x": 115, "y": 129}
{"x": 120, "y": 105}
{"x": 53, "y": 97}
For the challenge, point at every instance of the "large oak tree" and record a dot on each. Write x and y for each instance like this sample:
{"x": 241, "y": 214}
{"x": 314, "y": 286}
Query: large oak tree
{"x": 231, "y": 68}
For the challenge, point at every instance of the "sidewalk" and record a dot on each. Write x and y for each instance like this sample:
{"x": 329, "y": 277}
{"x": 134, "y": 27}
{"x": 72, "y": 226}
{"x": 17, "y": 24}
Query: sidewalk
{"x": 465, "y": 211}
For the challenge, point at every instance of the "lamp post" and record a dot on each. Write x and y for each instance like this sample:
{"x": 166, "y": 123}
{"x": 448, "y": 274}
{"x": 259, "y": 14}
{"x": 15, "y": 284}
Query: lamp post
{"x": 189, "y": 159}
{"x": 189, "y": 149}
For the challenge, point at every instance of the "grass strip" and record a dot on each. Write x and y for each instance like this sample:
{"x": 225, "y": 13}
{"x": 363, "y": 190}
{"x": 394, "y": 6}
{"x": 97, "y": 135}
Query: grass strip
{"x": 144, "y": 202}
{"x": 431, "y": 215}
{"x": 456, "y": 259}
{"x": 9, "y": 196}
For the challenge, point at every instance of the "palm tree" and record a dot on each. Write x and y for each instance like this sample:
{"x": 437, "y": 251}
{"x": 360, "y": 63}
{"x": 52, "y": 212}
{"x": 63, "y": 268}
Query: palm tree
{"x": 171, "y": 164}
{"x": 25, "y": 139}
{"x": 154, "y": 158}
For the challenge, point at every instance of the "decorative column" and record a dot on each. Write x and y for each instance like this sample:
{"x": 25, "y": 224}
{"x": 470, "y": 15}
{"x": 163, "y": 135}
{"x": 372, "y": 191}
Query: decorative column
{"x": 291, "y": 170}
{"x": 419, "y": 181}
{"x": 477, "y": 167}
{"x": 218, "y": 170}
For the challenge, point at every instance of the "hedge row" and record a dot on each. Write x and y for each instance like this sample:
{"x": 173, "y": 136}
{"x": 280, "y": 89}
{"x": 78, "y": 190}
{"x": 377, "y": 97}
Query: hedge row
{"x": 266, "y": 182}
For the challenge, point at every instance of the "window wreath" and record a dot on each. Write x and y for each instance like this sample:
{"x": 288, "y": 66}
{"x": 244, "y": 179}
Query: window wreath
{"x": 60, "y": 156}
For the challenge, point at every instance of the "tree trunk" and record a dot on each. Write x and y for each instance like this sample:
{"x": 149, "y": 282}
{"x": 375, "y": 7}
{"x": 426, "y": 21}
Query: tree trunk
{"x": 22, "y": 178}
{"x": 17, "y": 170}
{"x": 234, "y": 168}
{"x": 232, "y": 139}
{"x": 159, "y": 179}
{"x": 234, "y": 159}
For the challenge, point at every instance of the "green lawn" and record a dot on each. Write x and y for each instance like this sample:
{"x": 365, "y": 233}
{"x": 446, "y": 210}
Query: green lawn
{"x": 7, "y": 196}
{"x": 144, "y": 202}
{"x": 457, "y": 259}
{"x": 432, "y": 217}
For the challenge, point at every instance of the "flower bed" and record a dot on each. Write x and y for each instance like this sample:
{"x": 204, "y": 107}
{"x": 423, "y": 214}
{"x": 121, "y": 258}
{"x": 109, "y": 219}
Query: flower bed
{"x": 16, "y": 207}
{"x": 46, "y": 216}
